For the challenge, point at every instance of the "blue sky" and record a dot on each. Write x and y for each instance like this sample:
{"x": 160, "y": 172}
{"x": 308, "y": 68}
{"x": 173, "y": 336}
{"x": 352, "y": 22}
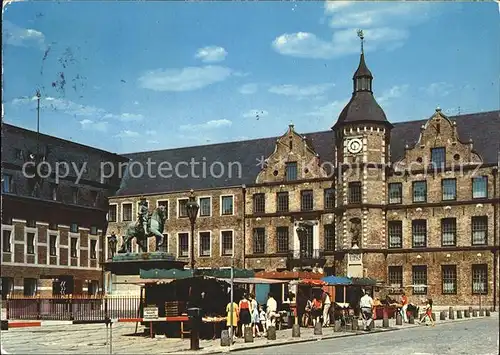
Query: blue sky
{"x": 142, "y": 76}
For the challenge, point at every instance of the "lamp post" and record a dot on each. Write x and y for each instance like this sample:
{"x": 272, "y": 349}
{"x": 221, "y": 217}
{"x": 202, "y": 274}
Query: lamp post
{"x": 301, "y": 232}
{"x": 192, "y": 212}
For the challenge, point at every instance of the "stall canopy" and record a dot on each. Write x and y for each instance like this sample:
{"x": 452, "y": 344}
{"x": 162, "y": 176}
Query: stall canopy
{"x": 337, "y": 280}
{"x": 174, "y": 274}
{"x": 310, "y": 282}
{"x": 363, "y": 281}
{"x": 254, "y": 281}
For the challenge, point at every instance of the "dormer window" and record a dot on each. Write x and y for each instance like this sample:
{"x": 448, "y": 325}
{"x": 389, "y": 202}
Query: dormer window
{"x": 291, "y": 171}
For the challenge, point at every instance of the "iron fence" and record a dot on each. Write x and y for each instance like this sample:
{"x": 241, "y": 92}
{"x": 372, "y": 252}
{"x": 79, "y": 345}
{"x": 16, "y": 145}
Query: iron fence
{"x": 80, "y": 308}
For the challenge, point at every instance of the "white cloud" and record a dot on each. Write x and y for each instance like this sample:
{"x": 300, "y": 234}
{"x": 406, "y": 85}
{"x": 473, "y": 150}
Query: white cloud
{"x": 301, "y": 91}
{"x": 308, "y": 45}
{"x": 438, "y": 89}
{"x": 151, "y": 132}
{"x": 127, "y": 134}
{"x": 78, "y": 110}
{"x": 394, "y": 92}
{"x": 22, "y": 37}
{"x": 213, "y": 124}
{"x": 255, "y": 114}
{"x": 90, "y": 125}
{"x": 211, "y": 54}
{"x": 125, "y": 117}
{"x": 248, "y": 89}
{"x": 384, "y": 25}
{"x": 184, "y": 79}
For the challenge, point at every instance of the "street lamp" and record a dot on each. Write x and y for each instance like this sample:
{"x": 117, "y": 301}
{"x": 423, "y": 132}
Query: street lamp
{"x": 301, "y": 232}
{"x": 192, "y": 212}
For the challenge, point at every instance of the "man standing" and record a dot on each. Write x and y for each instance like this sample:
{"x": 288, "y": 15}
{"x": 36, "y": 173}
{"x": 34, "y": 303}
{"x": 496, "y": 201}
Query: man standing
{"x": 404, "y": 303}
{"x": 366, "y": 305}
{"x": 271, "y": 309}
{"x": 326, "y": 309}
{"x": 143, "y": 215}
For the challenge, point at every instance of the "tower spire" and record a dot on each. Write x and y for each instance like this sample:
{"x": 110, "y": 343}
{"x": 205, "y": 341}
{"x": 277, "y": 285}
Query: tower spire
{"x": 362, "y": 38}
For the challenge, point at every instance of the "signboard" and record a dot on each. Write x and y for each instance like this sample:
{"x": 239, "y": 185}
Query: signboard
{"x": 150, "y": 314}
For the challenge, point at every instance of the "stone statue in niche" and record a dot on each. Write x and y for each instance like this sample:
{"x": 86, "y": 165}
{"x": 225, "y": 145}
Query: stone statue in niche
{"x": 355, "y": 231}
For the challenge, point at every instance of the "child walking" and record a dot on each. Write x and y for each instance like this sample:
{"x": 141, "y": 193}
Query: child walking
{"x": 428, "y": 313}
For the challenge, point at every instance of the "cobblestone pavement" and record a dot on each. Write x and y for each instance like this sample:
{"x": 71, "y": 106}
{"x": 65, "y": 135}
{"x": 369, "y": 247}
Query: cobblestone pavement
{"x": 459, "y": 336}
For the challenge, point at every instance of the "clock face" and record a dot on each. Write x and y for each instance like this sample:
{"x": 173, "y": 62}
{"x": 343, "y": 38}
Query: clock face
{"x": 354, "y": 146}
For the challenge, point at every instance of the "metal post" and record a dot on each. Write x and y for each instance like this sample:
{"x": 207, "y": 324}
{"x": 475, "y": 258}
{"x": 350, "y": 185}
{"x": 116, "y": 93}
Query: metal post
{"x": 111, "y": 337}
{"x": 192, "y": 248}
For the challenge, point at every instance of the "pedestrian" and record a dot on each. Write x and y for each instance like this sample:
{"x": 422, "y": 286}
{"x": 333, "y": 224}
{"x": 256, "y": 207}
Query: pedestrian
{"x": 317, "y": 310}
{"x": 232, "y": 317}
{"x": 245, "y": 315}
{"x": 366, "y": 305}
{"x": 271, "y": 309}
{"x": 254, "y": 310}
{"x": 428, "y": 313}
{"x": 326, "y": 309}
{"x": 263, "y": 319}
{"x": 404, "y": 307}
{"x": 306, "y": 317}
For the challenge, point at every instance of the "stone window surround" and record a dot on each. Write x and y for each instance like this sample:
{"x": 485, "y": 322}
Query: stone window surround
{"x": 167, "y": 207}
{"x": 35, "y": 243}
{"x": 221, "y": 242}
{"x": 484, "y": 193}
{"x": 122, "y": 211}
{"x": 209, "y": 255}
{"x": 178, "y": 207}
{"x": 179, "y": 244}
{"x": 72, "y": 236}
{"x": 115, "y": 206}
{"x": 232, "y": 205}
{"x": 11, "y": 229}
{"x": 58, "y": 253}
{"x": 210, "y": 206}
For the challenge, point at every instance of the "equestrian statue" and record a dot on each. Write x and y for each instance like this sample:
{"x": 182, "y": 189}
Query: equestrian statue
{"x": 148, "y": 225}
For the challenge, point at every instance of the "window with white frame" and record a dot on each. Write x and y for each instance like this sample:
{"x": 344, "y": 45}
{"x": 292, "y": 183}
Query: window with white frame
{"x": 449, "y": 279}
{"x": 419, "y": 233}
{"x": 6, "y": 241}
{"x": 30, "y": 243}
{"x": 93, "y": 249}
{"x": 227, "y": 205}
{"x": 126, "y": 212}
{"x": 53, "y": 245}
{"x": 480, "y": 187}
{"x": 480, "y": 279}
{"x": 205, "y": 206}
{"x": 74, "y": 247}
{"x": 205, "y": 243}
{"x": 479, "y": 225}
{"x": 227, "y": 242}
{"x": 448, "y": 232}
{"x": 112, "y": 213}
{"x": 183, "y": 245}
{"x": 182, "y": 211}
{"x": 163, "y": 203}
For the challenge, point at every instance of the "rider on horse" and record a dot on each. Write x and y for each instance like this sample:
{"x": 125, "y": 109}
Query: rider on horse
{"x": 143, "y": 215}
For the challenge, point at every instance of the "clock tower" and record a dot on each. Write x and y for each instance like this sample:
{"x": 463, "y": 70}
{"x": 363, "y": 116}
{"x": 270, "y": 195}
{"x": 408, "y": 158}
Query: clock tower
{"x": 362, "y": 138}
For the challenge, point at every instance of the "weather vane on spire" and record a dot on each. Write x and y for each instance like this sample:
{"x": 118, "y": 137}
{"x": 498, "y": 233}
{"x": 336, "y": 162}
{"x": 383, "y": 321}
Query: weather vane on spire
{"x": 362, "y": 37}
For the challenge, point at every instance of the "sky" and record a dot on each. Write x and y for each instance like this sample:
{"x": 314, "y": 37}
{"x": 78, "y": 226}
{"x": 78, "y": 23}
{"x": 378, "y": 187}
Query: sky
{"x": 139, "y": 76}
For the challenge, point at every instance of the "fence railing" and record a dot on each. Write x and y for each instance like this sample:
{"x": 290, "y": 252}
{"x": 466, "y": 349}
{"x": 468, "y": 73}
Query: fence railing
{"x": 72, "y": 308}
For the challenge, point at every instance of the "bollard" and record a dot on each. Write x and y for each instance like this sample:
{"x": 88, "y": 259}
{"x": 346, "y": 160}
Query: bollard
{"x": 295, "y": 331}
{"x": 411, "y": 319}
{"x": 248, "y": 334}
{"x": 111, "y": 337}
{"x": 451, "y": 314}
{"x": 442, "y": 315}
{"x": 355, "y": 325}
{"x": 399, "y": 319}
{"x": 474, "y": 313}
{"x": 481, "y": 312}
{"x": 459, "y": 314}
{"x": 338, "y": 326}
{"x": 385, "y": 319}
{"x": 224, "y": 338}
{"x": 271, "y": 333}
{"x": 467, "y": 313}
{"x": 488, "y": 314}
{"x": 317, "y": 329}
